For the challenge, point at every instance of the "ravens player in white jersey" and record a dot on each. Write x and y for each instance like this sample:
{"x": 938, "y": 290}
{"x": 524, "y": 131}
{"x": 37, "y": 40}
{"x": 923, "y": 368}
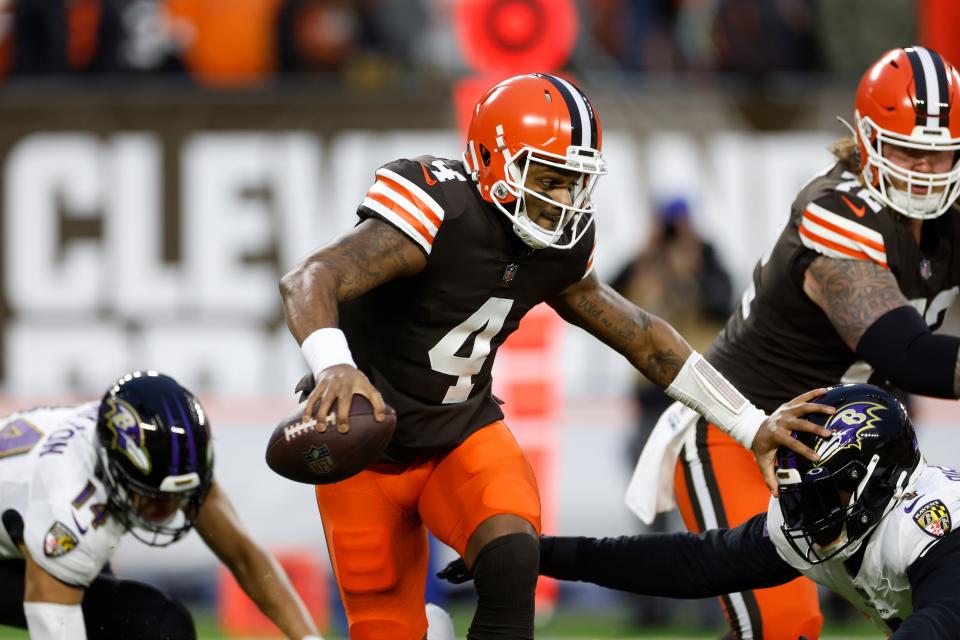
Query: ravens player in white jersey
{"x": 74, "y": 480}
{"x": 863, "y": 272}
{"x": 871, "y": 521}
{"x": 410, "y": 308}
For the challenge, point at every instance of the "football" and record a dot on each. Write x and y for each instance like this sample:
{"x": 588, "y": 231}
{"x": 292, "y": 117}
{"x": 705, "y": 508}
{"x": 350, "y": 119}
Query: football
{"x": 299, "y": 452}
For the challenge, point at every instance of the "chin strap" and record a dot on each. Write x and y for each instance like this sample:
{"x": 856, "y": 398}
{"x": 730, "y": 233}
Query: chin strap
{"x": 907, "y": 478}
{"x": 858, "y": 492}
{"x": 901, "y": 486}
{"x": 918, "y": 204}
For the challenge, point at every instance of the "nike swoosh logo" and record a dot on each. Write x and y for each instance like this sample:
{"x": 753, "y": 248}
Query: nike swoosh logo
{"x": 82, "y": 530}
{"x": 857, "y": 211}
{"x": 426, "y": 176}
{"x": 913, "y": 504}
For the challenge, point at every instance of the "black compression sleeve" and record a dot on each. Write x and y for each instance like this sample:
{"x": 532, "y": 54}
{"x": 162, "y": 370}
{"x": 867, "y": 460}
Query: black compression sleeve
{"x": 901, "y": 347}
{"x": 675, "y": 565}
{"x": 935, "y": 578}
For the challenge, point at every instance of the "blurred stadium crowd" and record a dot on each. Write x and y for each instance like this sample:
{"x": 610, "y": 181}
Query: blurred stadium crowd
{"x": 243, "y": 43}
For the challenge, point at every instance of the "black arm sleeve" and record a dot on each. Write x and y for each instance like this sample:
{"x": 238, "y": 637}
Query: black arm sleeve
{"x": 935, "y": 579}
{"x": 901, "y": 347}
{"x": 674, "y": 565}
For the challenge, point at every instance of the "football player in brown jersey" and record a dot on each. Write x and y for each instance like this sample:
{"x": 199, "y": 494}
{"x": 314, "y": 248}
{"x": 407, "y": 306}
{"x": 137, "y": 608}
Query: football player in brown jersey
{"x": 410, "y": 307}
{"x": 862, "y": 273}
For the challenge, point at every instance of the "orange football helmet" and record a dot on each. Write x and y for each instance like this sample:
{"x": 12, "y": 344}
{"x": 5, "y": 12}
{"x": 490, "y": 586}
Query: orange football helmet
{"x": 535, "y": 118}
{"x": 909, "y": 98}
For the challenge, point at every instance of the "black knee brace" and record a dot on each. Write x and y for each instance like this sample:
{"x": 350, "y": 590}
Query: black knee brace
{"x": 12, "y": 572}
{"x": 115, "y": 608}
{"x": 505, "y": 576}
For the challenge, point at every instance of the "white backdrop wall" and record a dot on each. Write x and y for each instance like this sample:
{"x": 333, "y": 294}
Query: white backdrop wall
{"x": 89, "y": 306}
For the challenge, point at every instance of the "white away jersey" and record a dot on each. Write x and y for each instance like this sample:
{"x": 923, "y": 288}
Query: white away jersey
{"x": 47, "y": 475}
{"x": 881, "y": 589}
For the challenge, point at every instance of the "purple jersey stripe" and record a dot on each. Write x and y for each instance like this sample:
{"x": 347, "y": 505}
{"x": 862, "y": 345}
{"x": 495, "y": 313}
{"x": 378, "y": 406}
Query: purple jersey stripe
{"x": 84, "y": 495}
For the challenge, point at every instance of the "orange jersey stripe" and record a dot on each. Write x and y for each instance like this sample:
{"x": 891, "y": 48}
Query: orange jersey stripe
{"x": 403, "y": 213}
{"x": 840, "y": 248}
{"x": 844, "y": 232}
{"x": 414, "y": 200}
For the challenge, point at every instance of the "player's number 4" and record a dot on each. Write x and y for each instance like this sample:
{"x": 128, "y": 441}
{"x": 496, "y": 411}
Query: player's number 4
{"x": 485, "y": 323}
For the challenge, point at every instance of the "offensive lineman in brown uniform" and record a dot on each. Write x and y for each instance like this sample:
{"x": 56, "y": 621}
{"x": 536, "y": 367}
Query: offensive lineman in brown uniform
{"x": 862, "y": 273}
{"x": 413, "y": 304}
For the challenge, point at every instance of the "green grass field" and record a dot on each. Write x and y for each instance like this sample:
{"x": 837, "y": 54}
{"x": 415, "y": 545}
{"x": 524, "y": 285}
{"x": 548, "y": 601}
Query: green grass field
{"x": 567, "y": 626}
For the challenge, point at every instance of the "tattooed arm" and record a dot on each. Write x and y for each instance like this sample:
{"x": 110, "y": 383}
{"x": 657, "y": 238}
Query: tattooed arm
{"x": 853, "y": 293}
{"x": 660, "y": 353}
{"x": 370, "y": 254}
{"x": 865, "y": 305}
{"x": 649, "y": 343}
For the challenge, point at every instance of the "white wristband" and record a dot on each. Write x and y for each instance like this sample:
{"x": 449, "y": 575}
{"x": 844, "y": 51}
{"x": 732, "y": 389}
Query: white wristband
{"x": 48, "y": 621}
{"x": 326, "y": 347}
{"x": 702, "y": 388}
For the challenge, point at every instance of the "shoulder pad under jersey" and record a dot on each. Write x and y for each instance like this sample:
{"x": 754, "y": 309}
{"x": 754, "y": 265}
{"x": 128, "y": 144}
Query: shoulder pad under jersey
{"x": 407, "y": 195}
{"x": 845, "y": 226}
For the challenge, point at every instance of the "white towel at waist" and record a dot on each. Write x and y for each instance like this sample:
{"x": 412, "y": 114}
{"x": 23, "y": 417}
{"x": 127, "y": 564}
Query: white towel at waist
{"x": 651, "y": 488}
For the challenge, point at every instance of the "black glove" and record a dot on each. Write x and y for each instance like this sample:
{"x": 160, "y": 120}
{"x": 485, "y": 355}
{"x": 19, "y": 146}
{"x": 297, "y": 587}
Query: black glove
{"x": 456, "y": 572}
{"x": 304, "y": 387}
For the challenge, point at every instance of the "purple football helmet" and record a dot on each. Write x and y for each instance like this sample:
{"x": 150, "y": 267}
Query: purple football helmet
{"x": 154, "y": 456}
{"x": 830, "y": 505}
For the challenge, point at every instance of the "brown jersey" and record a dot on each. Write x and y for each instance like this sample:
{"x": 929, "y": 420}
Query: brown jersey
{"x": 778, "y": 343}
{"x": 428, "y": 342}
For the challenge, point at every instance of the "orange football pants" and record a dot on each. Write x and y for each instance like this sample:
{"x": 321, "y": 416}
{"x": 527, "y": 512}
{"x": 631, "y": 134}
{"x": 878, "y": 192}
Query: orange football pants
{"x": 718, "y": 484}
{"x": 376, "y": 526}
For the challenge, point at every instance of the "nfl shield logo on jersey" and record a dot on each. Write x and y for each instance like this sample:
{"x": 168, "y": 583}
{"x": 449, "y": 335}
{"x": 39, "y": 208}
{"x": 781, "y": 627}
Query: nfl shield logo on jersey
{"x": 934, "y": 518}
{"x": 59, "y": 541}
{"x": 510, "y": 272}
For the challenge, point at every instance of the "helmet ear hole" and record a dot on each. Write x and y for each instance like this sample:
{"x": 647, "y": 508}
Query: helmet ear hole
{"x": 484, "y": 156}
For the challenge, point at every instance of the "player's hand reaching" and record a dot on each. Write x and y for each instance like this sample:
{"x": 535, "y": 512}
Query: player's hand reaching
{"x": 776, "y": 431}
{"x": 339, "y": 384}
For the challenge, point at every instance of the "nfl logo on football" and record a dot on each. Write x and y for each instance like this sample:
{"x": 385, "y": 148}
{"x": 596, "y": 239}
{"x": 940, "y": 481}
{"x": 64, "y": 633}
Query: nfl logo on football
{"x": 319, "y": 459}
